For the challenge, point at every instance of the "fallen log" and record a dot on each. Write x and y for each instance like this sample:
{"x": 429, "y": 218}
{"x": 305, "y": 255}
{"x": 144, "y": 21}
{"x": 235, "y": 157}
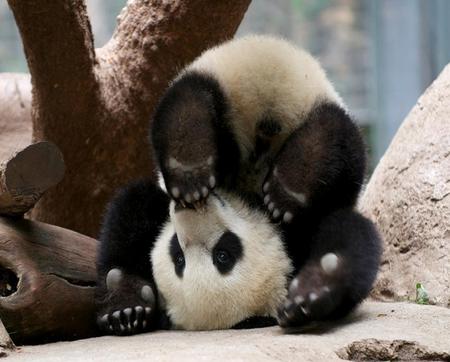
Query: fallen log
{"x": 47, "y": 280}
{"x": 26, "y": 175}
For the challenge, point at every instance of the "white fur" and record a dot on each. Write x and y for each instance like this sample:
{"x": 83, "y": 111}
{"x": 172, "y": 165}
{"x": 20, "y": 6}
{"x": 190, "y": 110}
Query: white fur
{"x": 204, "y": 299}
{"x": 266, "y": 76}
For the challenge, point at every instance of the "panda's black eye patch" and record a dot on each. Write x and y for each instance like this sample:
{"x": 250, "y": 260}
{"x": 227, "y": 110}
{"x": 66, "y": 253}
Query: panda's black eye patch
{"x": 227, "y": 252}
{"x": 177, "y": 256}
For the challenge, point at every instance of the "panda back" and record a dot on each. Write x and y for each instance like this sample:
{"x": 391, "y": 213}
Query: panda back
{"x": 262, "y": 77}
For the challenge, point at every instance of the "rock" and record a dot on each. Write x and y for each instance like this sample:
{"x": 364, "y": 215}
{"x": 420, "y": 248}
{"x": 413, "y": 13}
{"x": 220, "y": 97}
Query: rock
{"x": 387, "y": 329}
{"x": 408, "y": 197}
{"x": 6, "y": 345}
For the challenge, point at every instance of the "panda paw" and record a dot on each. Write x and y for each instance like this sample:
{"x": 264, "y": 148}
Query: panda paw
{"x": 281, "y": 202}
{"x": 129, "y": 305}
{"x": 313, "y": 294}
{"x": 190, "y": 183}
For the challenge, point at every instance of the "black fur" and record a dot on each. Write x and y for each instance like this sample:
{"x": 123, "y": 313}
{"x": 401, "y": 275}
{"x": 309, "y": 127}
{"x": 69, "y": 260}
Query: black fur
{"x": 177, "y": 256}
{"x": 227, "y": 252}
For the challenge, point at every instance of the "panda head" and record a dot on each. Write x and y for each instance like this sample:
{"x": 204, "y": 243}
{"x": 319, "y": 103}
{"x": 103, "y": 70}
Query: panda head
{"x": 219, "y": 265}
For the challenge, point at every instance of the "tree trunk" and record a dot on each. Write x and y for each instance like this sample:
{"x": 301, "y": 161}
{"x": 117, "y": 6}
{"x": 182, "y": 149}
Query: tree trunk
{"x": 408, "y": 197}
{"x": 47, "y": 279}
{"x": 96, "y": 105}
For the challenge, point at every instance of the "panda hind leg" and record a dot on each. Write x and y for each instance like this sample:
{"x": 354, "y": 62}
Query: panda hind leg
{"x": 338, "y": 275}
{"x": 192, "y": 140}
{"x": 319, "y": 168}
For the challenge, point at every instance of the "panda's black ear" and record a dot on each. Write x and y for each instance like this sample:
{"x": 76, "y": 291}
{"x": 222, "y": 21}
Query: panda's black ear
{"x": 227, "y": 252}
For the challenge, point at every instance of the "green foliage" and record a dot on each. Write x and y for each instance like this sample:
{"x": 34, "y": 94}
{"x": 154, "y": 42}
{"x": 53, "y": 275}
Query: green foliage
{"x": 421, "y": 294}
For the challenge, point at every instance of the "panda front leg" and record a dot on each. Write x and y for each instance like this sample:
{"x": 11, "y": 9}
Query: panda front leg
{"x": 192, "y": 139}
{"x": 320, "y": 167}
{"x": 126, "y": 296}
{"x": 339, "y": 273}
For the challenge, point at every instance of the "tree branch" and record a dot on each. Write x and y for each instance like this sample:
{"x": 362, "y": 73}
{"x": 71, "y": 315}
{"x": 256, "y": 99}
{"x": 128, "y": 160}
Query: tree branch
{"x": 153, "y": 41}
{"x": 26, "y": 175}
{"x": 59, "y": 48}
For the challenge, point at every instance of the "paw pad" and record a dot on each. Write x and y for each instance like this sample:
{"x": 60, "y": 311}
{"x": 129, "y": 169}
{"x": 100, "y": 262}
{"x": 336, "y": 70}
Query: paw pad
{"x": 190, "y": 183}
{"x": 113, "y": 279}
{"x": 281, "y": 202}
{"x": 147, "y": 294}
{"x": 329, "y": 263}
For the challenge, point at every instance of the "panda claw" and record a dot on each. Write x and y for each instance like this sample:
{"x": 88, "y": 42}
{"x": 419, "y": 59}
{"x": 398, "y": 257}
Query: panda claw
{"x": 188, "y": 198}
{"x": 212, "y": 181}
{"x": 266, "y": 187}
{"x": 266, "y": 199}
{"x": 276, "y": 214}
{"x": 196, "y": 195}
{"x": 175, "y": 192}
{"x": 103, "y": 321}
{"x": 287, "y": 217}
{"x": 305, "y": 310}
{"x": 128, "y": 312}
{"x": 271, "y": 206}
{"x": 205, "y": 191}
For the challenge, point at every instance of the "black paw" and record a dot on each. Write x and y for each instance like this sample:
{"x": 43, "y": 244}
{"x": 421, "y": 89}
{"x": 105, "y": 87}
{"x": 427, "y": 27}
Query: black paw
{"x": 129, "y": 305}
{"x": 190, "y": 183}
{"x": 313, "y": 294}
{"x": 281, "y": 202}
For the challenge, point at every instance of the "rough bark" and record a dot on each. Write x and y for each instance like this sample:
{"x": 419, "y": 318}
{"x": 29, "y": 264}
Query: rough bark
{"x": 47, "y": 278}
{"x": 15, "y": 113}
{"x": 26, "y": 175}
{"x": 408, "y": 197}
{"x": 96, "y": 106}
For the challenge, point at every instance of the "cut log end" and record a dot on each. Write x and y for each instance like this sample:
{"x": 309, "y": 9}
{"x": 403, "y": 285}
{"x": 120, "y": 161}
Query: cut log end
{"x": 27, "y": 175}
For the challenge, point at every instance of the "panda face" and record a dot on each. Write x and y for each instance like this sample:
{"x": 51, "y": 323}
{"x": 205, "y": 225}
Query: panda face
{"x": 217, "y": 266}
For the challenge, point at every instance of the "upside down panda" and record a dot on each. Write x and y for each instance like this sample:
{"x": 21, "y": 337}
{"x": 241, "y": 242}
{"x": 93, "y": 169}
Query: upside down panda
{"x": 253, "y": 222}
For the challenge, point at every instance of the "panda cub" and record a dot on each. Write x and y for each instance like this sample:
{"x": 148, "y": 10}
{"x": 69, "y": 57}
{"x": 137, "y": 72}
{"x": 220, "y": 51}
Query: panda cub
{"x": 253, "y": 223}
